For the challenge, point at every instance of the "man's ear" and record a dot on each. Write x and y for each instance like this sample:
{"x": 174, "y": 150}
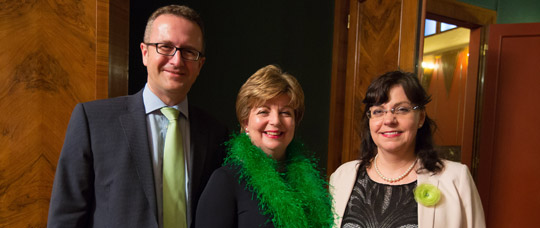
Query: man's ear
{"x": 144, "y": 52}
{"x": 201, "y": 62}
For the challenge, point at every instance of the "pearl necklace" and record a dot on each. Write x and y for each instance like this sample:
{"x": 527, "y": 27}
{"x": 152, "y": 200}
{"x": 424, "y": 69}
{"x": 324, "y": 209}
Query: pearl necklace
{"x": 392, "y": 180}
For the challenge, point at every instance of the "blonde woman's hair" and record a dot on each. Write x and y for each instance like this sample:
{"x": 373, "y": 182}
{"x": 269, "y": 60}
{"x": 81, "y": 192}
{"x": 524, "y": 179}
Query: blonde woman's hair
{"x": 267, "y": 83}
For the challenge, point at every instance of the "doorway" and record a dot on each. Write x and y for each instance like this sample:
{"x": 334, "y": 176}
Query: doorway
{"x": 444, "y": 74}
{"x": 453, "y": 57}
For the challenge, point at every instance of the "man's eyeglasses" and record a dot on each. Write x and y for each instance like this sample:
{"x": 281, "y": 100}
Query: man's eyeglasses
{"x": 378, "y": 112}
{"x": 170, "y": 50}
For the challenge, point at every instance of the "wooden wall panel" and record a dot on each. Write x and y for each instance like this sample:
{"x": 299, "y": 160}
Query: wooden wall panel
{"x": 118, "y": 47}
{"x": 48, "y": 62}
{"x": 410, "y": 39}
{"x": 102, "y": 49}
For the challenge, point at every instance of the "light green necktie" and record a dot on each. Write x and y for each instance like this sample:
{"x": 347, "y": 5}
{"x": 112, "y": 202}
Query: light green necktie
{"x": 174, "y": 191}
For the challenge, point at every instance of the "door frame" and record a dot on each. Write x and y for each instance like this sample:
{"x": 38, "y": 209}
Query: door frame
{"x": 476, "y": 19}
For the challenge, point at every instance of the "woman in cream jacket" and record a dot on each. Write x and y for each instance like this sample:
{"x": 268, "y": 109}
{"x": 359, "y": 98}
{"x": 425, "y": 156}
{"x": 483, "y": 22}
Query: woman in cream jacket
{"x": 400, "y": 181}
{"x": 459, "y": 205}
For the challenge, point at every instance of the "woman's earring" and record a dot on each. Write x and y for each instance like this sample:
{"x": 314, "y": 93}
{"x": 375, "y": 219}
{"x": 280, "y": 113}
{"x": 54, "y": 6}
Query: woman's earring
{"x": 247, "y": 133}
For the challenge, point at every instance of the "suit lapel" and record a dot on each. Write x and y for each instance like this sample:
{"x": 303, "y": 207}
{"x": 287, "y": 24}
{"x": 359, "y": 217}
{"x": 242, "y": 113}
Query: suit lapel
{"x": 134, "y": 125}
{"x": 426, "y": 215}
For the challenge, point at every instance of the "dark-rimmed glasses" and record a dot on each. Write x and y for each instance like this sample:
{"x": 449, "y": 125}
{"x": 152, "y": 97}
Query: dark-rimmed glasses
{"x": 169, "y": 50}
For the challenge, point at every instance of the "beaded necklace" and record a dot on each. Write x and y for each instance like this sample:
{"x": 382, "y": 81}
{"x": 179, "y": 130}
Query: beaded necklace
{"x": 392, "y": 180}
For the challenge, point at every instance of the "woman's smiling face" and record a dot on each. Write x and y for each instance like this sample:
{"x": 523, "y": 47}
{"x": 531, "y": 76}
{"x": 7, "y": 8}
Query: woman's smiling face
{"x": 396, "y": 132}
{"x": 271, "y": 126}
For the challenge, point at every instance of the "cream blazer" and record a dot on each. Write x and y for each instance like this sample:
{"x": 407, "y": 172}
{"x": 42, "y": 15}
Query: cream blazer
{"x": 459, "y": 205}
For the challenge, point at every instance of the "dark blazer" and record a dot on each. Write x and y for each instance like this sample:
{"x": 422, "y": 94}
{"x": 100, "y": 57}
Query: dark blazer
{"x": 226, "y": 202}
{"x": 104, "y": 176}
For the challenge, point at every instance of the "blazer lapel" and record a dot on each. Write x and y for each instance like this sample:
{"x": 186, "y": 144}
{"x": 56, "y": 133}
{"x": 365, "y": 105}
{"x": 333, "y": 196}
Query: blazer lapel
{"x": 134, "y": 127}
{"x": 197, "y": 159}
{"x": 426, "y": 215}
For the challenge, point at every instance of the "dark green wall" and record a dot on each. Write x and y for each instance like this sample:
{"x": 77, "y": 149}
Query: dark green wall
{"x": 243, "y": 36}
{"x": 511, "y": 11}
{"x": 518, "y": 11}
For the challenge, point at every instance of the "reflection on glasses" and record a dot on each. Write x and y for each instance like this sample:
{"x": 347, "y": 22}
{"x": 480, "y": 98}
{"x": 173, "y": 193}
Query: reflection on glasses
{"x": 378, "y": 112}
{"x": 170, "y": 50}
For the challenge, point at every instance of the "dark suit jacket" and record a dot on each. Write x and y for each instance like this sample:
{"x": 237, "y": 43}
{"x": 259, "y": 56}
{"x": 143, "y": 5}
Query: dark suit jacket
{"x": 226, "y": 202}
{"x": 104, "y": 176}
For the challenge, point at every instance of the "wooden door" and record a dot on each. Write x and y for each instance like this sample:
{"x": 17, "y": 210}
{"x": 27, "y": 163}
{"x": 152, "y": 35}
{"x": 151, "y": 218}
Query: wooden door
{"x": 53, "y": 55}
{"x": 509, "y": 152}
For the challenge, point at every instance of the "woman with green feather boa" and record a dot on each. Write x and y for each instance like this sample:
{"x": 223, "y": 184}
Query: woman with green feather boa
{"x": 266, "y": 180}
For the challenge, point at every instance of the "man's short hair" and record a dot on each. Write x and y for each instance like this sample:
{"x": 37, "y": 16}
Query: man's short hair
{"x": 176, "y": 10}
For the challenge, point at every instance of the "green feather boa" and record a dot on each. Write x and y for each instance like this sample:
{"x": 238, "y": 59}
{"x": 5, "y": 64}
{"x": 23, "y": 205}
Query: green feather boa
{"x": 296, "y": 198}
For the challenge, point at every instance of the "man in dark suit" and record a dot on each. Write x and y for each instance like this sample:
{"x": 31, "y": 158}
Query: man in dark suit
{"x": 110, "y": 171}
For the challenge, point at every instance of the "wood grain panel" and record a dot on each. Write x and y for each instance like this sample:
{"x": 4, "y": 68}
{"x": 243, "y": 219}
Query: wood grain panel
{"x": 48, "y": 63}
{"x": 102, "y": 49}
{"x": 376, "y": 42}
{"x": 409, "y": 51}
{"x": 118, "y": 47}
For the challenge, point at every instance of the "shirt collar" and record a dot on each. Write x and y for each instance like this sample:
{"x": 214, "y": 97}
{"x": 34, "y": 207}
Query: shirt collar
{"x": 153, "y": 103}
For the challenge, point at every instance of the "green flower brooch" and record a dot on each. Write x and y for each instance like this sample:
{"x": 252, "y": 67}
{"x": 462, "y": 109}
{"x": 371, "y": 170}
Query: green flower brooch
{"x": 427, "y": 194}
